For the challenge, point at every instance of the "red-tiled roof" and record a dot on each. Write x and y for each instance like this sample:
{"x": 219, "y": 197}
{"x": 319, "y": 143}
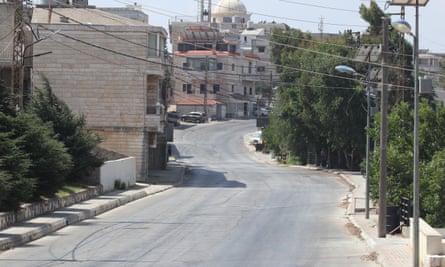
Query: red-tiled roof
{"x": 252, "y": 56}
{"x": 205, "y": 53}
{"x": 197, "y": 101}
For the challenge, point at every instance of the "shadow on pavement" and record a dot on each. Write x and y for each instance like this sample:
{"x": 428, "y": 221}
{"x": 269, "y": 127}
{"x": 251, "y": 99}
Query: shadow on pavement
{"x": 198, "y": 177}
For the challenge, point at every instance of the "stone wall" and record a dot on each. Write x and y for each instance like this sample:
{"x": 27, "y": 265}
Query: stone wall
{"x": 31, "y": 210}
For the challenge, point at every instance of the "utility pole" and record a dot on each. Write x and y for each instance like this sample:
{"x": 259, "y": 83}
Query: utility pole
{"x": 383, "y": 133}
{"x": 271, "y": 90}
{"x": 206, "y": 81}
{"x": 18, "y": 56}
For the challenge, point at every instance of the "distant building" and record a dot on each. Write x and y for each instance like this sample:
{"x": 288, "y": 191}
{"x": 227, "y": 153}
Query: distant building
{"x": 225, "y": 59}
{"x": 131, "y": 11}
{"x": 430, "y": 66}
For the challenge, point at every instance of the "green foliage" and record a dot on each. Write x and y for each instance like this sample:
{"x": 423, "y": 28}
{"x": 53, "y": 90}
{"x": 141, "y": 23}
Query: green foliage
{"x": 41, "y": 148}
{"x": 400, "y": 158}
{"x": 50, "y": 163}
{"x": 70, "y": 130}
{"x": 373, "y": 15}
{"x": 6, "y": 105}
{"x": 120, "y": 185}
{"x": 432, "y": 190}
{"x": 316, "y": 112}
{"x": 15, "y": 186}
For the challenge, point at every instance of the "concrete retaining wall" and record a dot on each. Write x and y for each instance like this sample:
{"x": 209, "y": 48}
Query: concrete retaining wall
{"x": 430, "y": 245}
{"x": 121, "y": 169}
{"x": 31, "y": 210}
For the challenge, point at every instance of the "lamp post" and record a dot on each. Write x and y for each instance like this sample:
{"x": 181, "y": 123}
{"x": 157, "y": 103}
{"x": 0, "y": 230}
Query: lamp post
{"x": 351, "y": 71}
{"x": 404, "y": 27}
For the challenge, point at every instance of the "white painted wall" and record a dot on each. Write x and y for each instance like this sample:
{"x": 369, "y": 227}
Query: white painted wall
{"x": 122, "y": 169}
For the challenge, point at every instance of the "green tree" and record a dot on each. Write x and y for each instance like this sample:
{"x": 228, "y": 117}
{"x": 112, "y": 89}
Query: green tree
{"x": 400, "y": 158}
{"x": 49, "y": 161}
{"x": 316, "y": 113}
{"x": 15, "y": 186}
{"x": 373, "y": 15}
{"x": 70, "y": 129}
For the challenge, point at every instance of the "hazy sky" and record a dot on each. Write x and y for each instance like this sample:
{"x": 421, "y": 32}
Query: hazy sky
{"x": 337, "y": 15}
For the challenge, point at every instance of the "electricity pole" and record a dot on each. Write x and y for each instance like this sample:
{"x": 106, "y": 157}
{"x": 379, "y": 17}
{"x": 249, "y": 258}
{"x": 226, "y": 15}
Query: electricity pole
{"x": 206, "y": 81}
{"x": 18, "y": 56}
{"x": 383, "y": 133}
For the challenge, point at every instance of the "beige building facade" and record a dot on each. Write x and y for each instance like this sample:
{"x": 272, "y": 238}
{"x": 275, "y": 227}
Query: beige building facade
{"x": 110, "y": 69}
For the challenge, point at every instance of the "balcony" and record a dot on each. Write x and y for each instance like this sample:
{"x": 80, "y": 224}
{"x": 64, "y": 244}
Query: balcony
{"x": 155, "y": 118}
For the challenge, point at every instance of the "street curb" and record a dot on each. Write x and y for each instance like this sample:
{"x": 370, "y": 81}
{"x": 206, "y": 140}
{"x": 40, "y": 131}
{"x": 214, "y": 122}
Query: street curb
{"x": 10, "y": 238}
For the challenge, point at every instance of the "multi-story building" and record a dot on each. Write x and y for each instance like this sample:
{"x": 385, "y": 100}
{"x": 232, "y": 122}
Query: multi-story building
{"x": 6, "y": 42}
{"x": 225, "y": 59}
{"x": 431, "y": 66}
{"x": 110, "y": 69}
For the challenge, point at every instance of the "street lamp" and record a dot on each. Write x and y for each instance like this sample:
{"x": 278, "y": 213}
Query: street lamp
{"x": 404, "y": 27}
{"x": 351, "y": 71}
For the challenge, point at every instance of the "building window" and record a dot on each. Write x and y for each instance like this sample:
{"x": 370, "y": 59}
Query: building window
{"x": 215, "y": 88}
{"x": 250, "y": 91}
{"x": 187, "y": 88}
{"x": 202, "y": 66}
{"x": 233, "y": 67}
{"x": 153, "y": 45}
{"x": 227, "y": 19}
{"x": 261, "y": 69}
{"x": 233, "y": 88}
{"x": 219, "y": 66}
{"x": 202, "y": 88}
{"x": 261, "y": 49}
{"x": 152, "y": 93}
{"x": 245, "y": 91}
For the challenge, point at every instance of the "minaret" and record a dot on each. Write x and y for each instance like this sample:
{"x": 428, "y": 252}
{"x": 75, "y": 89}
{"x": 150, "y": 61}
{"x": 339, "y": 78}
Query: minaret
{"x": 205, "y": 13}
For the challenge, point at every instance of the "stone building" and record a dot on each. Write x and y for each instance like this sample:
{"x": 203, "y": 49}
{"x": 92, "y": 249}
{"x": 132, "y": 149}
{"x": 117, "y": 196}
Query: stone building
{"x": 111, "y": 69}
{"x": 224, "y": 59}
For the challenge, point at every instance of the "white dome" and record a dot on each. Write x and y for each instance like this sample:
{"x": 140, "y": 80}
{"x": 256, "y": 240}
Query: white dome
{"x": 230, "y": 7}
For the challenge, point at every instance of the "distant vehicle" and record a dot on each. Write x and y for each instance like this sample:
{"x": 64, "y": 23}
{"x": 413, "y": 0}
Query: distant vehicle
{"x": 264, "y": 111}
{"x": 194, "y": 116}
{"x": 257, "y": 138}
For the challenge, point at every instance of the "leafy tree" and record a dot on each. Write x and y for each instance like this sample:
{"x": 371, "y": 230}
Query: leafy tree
{"x": 70, "y": 129}
{"x": 373, "y": 15}
{"x": 315, "y": 114}
{"x": 432, "y": 193}
{"x": 400, "y": 158}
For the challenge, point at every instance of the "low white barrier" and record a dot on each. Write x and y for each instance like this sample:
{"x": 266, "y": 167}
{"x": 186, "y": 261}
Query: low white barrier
{"x": 122, "y": 170}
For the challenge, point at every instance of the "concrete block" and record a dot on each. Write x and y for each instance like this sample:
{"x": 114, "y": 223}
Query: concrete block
{"x": 434, "y": 261}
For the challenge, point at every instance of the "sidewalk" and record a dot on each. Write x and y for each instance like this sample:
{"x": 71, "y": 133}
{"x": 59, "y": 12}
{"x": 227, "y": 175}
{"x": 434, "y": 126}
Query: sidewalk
{"x": 21, "y": 233}
{"x": 392, "y": 251}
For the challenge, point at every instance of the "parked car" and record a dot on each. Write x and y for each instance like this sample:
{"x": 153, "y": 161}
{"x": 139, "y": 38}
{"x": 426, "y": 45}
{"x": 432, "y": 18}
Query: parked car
{"x": 194, "y": 116}
{"x": 257, "y": 138}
